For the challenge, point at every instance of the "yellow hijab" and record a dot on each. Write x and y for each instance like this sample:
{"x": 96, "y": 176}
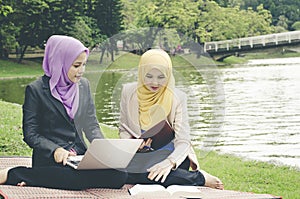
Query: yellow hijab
{"x": 154, "y": 106}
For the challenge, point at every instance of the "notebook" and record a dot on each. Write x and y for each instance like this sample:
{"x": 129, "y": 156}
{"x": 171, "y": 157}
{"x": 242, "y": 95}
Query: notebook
{"x": 161, "y": 134}
{"x": 106, "y": 154}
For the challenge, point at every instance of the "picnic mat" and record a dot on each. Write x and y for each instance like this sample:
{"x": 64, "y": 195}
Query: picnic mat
{"x": 15, "y": 192}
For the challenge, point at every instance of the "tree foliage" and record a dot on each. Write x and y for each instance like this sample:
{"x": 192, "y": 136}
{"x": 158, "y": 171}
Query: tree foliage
{"x": 296, "y": 25}
{"x": 202, "y": 20}
{"x": 280, "y": 9}
{"x": 38, "y": 19}
{"x": 30, "y": 22}
{"x": 109, "y": 20}
{"x": 6, "y": 30}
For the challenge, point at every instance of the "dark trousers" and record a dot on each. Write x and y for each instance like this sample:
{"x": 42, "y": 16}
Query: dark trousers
{"x": 60, "y": 177}
{"x": 180, "y": 176}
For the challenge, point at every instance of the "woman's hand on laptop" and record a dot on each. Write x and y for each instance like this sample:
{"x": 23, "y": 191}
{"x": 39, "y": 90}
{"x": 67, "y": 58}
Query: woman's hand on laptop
{"x": 61, "y": 155}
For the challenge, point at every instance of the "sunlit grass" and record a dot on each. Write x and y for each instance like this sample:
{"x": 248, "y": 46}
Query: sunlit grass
{"x": 11, "y": 130}
{"x": 26, "y": 68}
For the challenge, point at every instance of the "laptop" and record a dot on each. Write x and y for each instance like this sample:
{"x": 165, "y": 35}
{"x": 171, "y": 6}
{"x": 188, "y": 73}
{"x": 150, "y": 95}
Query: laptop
{"x": 106, "y": 154}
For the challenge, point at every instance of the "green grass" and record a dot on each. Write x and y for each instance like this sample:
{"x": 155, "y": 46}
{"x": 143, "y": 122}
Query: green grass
{"x": 126, "y": 61}
{"x": 33, "y": 66}
{"x": 14, "y": 69}
{"x": 259, "y": 55}
{"x": 11, "y": 130}
{"x": 253, "y": 176}
{"x": 271, "y": 54}
{"x": 123, "y": 61}
{"x": 236, "y": 174}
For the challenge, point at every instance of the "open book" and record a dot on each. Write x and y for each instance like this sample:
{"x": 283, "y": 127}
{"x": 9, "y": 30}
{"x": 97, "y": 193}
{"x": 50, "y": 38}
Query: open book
{"x": 144, "y": 190}
{"x": 161, "y": 134}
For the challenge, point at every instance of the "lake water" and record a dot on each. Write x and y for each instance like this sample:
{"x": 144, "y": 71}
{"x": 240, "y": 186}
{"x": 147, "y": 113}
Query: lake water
{"x": 259, "y": 114}
{"x": 262, "y": 111}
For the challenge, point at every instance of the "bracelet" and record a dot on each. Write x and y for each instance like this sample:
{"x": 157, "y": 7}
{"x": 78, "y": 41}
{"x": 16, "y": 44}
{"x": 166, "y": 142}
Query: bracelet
{"x": 172, "y": 163}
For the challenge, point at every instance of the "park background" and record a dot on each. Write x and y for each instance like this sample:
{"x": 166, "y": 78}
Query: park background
{"x": 26, "y": 25}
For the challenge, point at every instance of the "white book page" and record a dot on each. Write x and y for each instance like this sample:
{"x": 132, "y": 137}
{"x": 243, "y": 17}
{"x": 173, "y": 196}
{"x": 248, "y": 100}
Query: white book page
{"x": 185, "y": 191}
{"x": 149, "y": 189}
{"x": 130, "y": 131}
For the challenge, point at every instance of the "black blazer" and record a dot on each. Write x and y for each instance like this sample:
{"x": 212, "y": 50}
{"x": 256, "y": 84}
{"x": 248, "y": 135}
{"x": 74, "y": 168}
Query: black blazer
{"x": 47, "y": 126}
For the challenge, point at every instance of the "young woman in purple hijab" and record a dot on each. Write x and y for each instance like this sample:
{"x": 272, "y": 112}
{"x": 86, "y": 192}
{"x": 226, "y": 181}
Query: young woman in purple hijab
{"x": 57, "y": 109}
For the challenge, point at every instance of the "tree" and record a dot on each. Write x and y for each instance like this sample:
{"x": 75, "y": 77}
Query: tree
{"x": 179, "y": 15}
{"x": 38, "y": 19}
{"x": 287, "y": 8}
{"x": 230, "y": 23}
{"x": 282, "y": 22}
{"x": 109, "y": 20}
{"x": 201, "y": 20}
{"x": 82, "y": 30}
{"x": 296, "y": 25}
{"x": 31, "y": 22}
{"x": 5, "y": 29}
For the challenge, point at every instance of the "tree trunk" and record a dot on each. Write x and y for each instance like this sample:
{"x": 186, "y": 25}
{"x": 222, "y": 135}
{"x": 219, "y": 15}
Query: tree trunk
{"x": 111, "y": 47}
{"x": 1, "y": 47}
{"x": 102, "y": 55}
{"x": 22, "y": 54}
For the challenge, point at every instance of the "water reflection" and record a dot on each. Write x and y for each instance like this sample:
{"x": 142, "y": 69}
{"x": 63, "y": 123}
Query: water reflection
{"x": 12, "y": 90}
{"x": 103, "y": 98}
{"x": 263, "y": 112}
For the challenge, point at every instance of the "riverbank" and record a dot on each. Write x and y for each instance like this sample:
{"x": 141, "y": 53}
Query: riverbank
{"x": 33, "y": 67}
{"x": 9, "y": 69}
{"x": 236, "y": 174}
{"x": 244, "y": 58}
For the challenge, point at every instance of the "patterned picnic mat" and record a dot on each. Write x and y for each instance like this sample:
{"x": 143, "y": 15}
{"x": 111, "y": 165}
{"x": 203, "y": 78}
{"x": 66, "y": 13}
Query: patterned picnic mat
{"x": 15, "y": 192}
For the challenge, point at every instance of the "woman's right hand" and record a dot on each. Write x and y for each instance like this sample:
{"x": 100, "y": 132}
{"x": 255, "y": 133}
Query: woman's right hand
{"x": 61, "y": 155}
{"x": 161, "y": 170}
{"x": 146, "y": 146}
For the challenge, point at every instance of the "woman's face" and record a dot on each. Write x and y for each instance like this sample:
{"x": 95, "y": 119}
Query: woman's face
{"x": 77, "y": 69}
{"x": 154, "y": 80}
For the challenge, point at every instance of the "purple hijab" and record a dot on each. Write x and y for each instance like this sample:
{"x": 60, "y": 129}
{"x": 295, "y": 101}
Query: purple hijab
{"x": 60, "y": 53}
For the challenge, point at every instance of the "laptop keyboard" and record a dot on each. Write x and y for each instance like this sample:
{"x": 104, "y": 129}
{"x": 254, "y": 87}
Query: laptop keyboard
{"x": 75, "y": 159}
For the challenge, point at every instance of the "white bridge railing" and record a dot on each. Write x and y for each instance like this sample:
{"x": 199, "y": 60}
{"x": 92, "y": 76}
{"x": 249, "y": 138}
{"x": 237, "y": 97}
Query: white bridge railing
{"x": 263, "y": 40}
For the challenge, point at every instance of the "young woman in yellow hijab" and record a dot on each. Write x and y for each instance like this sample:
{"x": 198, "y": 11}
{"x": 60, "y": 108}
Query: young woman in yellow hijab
{"x": 155, "y": 88}
{"x": 144, "y": 104}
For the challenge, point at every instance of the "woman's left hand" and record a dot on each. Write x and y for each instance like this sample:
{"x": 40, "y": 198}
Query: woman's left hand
{"x": 160, "y": 170}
